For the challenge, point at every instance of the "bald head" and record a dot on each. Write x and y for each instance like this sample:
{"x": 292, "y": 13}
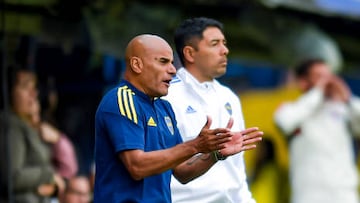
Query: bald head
{"x": 78, "y": 190}
{"x": 149, "y": 65}
{"x": 142, "y": 45}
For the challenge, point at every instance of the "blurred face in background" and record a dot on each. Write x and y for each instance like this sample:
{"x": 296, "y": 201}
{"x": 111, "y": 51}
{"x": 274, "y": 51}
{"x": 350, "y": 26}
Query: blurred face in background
{"x": 78, "y": 191}
{"x": 318, "y": 73}
{"x": 24, "y": 94}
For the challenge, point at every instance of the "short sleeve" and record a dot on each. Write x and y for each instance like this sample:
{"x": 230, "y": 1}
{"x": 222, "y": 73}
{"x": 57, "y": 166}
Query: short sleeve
{"x": 124, "y": 133}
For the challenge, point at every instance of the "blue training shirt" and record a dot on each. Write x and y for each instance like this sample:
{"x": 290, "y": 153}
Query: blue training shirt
{"x": 127, "y": 119}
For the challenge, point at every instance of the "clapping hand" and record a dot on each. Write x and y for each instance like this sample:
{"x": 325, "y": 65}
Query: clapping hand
{"x": 241, "y": 141}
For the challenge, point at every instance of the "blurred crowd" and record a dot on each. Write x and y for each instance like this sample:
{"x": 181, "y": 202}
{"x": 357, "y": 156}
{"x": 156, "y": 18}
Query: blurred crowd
{"x": 38, "y": 162}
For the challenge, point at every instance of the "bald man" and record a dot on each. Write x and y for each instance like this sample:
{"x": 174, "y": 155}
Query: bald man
{"x": 78, "y": 190}
{"x": 137, "y": 144}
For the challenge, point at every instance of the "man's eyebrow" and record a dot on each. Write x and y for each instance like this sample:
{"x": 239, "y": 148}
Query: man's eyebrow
{"x": 162, "y": 59}
{"x": 218, "y": 40}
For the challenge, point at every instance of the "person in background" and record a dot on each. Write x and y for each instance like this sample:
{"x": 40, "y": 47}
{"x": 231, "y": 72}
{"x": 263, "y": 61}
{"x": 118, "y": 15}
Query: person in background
{"x": 64, "y": 156}
{"x": 319, "y": 126}
{"x": 194, "y": 94}
{"x": 32, "y": 176}
{"x": 137, "y": 143}
{"x": 77, "y": 190}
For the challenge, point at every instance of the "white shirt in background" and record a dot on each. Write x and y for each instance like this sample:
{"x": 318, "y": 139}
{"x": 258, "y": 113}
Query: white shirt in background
{"x": 322, "y": 162}
{"x": 192, "y": 101}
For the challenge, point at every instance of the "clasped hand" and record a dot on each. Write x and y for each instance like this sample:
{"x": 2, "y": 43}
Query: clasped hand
{"x": 229, "y": 143}
{"x": 241, "y": 141}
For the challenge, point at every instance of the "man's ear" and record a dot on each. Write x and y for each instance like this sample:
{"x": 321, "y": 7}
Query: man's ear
{"x": 189, "y": 54}
{"x": 136, "y": 64}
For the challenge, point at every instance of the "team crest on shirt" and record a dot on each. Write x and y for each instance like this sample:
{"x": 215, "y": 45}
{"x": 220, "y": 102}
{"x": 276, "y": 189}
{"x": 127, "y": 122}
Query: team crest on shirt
{"x": 228, "y": 108}
{"x": 169, "y": 124}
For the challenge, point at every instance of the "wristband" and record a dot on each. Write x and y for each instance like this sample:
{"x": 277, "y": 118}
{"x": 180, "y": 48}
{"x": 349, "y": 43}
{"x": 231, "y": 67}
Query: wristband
{"x": 218, "y": 156}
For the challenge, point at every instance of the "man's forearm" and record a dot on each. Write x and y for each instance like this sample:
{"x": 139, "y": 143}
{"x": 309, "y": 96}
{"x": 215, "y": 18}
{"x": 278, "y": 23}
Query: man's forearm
{"x": 194, "y": 167}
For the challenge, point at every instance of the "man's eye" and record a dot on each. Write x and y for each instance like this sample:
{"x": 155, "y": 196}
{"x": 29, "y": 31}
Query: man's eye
{"x": 164, "y": 61}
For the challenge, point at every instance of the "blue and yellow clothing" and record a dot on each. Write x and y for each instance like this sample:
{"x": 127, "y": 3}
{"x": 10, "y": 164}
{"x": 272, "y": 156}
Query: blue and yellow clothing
{"x": 128, "y": 119}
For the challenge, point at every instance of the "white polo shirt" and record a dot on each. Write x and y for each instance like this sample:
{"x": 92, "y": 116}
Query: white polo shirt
{"x": 192, "y": 102}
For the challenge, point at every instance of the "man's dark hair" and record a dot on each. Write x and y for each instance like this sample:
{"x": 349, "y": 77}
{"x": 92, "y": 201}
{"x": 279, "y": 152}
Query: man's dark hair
{"x": 303, "y": 68}
{"x": 192, "y": 30}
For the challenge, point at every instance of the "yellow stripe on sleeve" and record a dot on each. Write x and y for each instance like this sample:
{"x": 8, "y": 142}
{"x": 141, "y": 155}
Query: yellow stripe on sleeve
{"x": 126, "y": 103}
{"x": 133, "y": 111}
{"x": 120, "y": 103}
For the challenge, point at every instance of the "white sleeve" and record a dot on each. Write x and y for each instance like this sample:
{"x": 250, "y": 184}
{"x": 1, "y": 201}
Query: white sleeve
{"x": 354, "y": 109}
{"x": 289, "y": 116}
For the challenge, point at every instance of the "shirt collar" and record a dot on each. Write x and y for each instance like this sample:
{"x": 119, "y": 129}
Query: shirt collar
{"x": 189, "y": 78}
{"x": 138, "y": 92}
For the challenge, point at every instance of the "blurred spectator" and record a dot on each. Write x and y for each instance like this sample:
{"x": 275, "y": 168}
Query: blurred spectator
{"x": 63, "y": 152}
{"x": 319, "y": 126}
{"x": 49, "y": 100}
{"x": 77, "y": 190}
{"x": 63, "y": 155}
{"x": 32, "y": 176}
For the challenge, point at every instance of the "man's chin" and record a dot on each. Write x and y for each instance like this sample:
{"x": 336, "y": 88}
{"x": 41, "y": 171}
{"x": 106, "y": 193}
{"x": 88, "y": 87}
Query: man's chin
{"x": 220, "y": 73}
{"x": 163, "y": 93}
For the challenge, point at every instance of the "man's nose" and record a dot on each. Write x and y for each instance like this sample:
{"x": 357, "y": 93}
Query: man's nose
{"x": 172, "y": 69}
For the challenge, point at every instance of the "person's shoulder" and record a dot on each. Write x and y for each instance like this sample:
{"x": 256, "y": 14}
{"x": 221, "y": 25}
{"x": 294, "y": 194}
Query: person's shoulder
{"x": 283, "y": 106}
{"x": 15, "y": 124}
{"x": 176, "y": 82}
{"x": 10, "y": 117}
{"x": 163, "y": 102}
{"x": 221, "y": 86}
{"x": 224, "y": 89}
{"x": 176, "y": 79}
{"x": 177, "y": 87}
{"x": 109, "y": 95}
{"x": 114, "y": 91}
{"x": 112, "y": 96}
{"x": 179, "y": 78}
{"x": 165, "y": 106}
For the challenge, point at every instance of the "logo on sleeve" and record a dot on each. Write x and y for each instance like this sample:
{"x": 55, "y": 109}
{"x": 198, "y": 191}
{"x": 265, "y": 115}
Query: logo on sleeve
{"x": 228, "y": 108}
{"x": 151, "y": 122}
{"x": 175, "y": 79}
{"x": 169, "y": 124}
{"x": 190, "y": 109}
